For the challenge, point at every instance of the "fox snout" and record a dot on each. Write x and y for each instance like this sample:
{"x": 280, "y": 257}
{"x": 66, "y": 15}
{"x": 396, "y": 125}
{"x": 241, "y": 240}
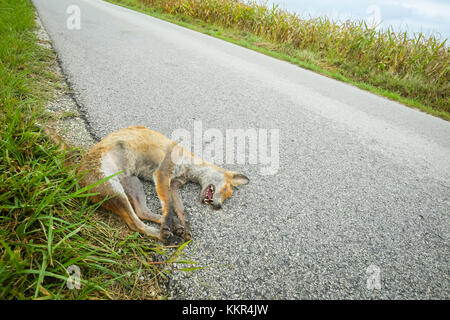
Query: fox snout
{"x": 217, "y": 206}
{"x": 209, "y": 196}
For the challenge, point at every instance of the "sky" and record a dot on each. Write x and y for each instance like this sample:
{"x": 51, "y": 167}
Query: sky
{"x": 426, "y": 16}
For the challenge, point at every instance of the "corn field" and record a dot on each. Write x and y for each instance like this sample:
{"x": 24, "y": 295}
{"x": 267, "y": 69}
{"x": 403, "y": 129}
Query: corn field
{"x": 415, "y": 66}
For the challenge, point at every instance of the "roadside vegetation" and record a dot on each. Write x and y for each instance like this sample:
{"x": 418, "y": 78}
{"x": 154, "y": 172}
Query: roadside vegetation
{"x": 412, "y": 69}
{"x": 48, "y": 230}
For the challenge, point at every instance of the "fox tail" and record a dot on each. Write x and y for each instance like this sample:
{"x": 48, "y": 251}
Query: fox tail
{"x": 72, "y": 155}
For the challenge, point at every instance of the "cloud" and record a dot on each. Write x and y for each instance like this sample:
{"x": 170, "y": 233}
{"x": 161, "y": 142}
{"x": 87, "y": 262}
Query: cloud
{"x": 428, "y": 8}
{"x": 428, "y": 16}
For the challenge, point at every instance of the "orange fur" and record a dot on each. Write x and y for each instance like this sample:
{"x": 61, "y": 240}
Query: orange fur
{"x": 141, "y": 152}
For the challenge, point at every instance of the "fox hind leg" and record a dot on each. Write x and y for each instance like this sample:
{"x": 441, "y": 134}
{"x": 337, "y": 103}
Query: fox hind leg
{"x": 123, "y": 208}
{"x": 135, "y": 192}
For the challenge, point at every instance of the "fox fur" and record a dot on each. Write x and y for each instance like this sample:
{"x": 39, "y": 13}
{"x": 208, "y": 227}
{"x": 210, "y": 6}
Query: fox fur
{"x": 138, "y": 152}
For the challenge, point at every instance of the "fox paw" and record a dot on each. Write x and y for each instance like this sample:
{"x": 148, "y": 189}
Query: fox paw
{"x": 187, "y": 235}
{"x": 173, "y": 240}
{"x": 182, "y": 232}
{"x": 178, "y": 229}
{"x": 165, "y": 233}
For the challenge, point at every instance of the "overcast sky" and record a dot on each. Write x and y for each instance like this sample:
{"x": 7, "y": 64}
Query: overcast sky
{"x": 426, "y": 16}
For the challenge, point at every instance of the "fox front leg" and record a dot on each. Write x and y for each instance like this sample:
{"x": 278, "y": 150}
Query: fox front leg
{"x": 183, "y": 229}
{"x": 162, "y": 183}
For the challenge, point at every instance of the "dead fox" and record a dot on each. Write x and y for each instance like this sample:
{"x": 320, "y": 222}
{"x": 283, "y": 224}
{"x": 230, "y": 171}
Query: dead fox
{"x": 139, "y": 152}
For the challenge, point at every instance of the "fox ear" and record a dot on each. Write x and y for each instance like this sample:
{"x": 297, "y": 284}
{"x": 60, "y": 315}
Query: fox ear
{"x": 238, "y": 179}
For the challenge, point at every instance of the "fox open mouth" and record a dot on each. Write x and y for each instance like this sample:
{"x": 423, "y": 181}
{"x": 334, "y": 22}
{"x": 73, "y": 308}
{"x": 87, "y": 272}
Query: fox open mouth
{"x": 207, "y": 195}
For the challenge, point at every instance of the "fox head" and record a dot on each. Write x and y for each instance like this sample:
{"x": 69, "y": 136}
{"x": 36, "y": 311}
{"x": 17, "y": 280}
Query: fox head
{"x": 218, "y": 185}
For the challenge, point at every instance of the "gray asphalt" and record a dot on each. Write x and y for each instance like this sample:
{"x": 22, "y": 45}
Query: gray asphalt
{"x": 363, "y": 181}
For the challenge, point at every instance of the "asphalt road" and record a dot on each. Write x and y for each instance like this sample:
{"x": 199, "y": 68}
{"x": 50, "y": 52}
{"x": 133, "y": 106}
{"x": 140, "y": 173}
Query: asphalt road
{"x": 363, "y": 186}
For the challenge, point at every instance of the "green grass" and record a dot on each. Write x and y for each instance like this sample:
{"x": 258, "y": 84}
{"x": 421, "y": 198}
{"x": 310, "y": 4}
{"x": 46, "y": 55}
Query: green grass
{"x": 414, "y": 70}
{"x": 46, "y": 222}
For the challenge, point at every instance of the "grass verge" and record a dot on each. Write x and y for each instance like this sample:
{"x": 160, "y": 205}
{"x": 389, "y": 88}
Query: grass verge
{"x": 49, "y": 234}
{"x": 414, "y": 71}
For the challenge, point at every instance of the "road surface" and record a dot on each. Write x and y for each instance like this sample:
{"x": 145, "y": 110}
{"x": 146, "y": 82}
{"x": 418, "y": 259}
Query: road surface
{"x": 358, "y": 205}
